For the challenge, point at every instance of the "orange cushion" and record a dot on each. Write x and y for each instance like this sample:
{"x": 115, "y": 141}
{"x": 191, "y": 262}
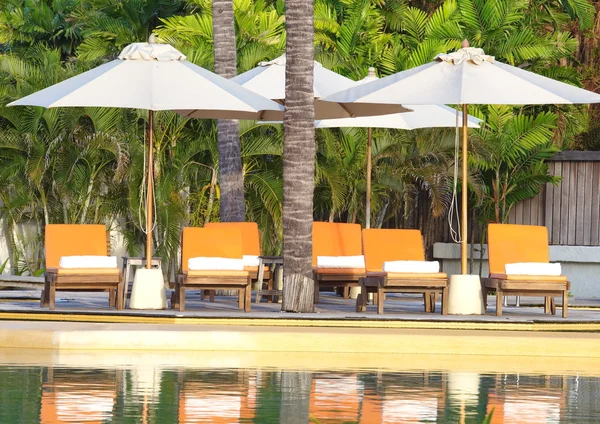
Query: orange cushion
{"x": 408, "y": 275}
{"x": 73, "y": 240}
{"x": 381, "y": 246}
{"x": 250, "y": 235}
{"x": 533, "y": 278}
{"x": 509, "y": 243}
{"x": 335, "y": 239}
{"x": 217, "y": 273}
{"x": 216, "y": 242}
{"x": 342, "y": 271}
{"x": 87, "y": 271}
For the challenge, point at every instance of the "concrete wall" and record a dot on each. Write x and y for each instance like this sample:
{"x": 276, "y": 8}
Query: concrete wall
{"x": 581, "y": 264}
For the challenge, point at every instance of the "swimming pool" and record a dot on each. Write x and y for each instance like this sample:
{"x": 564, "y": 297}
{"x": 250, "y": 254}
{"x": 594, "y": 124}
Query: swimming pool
{"x": 101, "y": 387}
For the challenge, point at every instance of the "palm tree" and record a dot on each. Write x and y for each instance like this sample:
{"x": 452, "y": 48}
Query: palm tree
{"x": 27, "y": 23}
{"x": 110, "y": 25}
{"x": 228, "y": 132}
{"x": 298, "y": 158}
{"x": 509, "y": 152}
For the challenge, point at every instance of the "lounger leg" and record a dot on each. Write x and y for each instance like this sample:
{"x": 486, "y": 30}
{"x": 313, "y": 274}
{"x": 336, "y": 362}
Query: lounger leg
{"x": 120, "y": 298}
{"x": 316, "y": 300}
{"x": 546, "y": 304}
{"x": 44, "y": 296}
{"x": 211, "y": 296}
{"x": 552, "y": 306}
{"x": 52, "y": 295}
{"x": 241, "y": 297}
{"x": 427, "y": 301}
{"x": 175, "y": 297}
{"x": 111, "y": 298}
{"x": 484, "y": 294}
{"x": 248, "y": 293}
{"x": 499, "y": 298}
{"x": 445, "y": 301}
{"x": 565, "y": 305}
{"x": 432, "y": 296}
{"x": 181, "y": 298}
{"x": 270, "y": 287}
{"x": 361, "y": 299}
{"x": 346, "y": 292}
{"x": 381, "y": 296}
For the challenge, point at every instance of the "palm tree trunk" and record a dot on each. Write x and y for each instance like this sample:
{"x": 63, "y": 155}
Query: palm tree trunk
{"x": 228, "y": 131}
{"x": 298, "y": 158}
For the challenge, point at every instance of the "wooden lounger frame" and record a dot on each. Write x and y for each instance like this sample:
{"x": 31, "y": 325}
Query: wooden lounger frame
{"x": 113, "y": 283}
{"x": 379, "y": 285}
{"x": 547, "y": 289}
{"x": 341, "y": 280}
{"x": 240, "y": 283}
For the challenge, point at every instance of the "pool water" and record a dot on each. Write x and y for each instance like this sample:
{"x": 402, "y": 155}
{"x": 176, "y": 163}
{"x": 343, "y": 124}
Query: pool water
{"x": 155, "y": 393}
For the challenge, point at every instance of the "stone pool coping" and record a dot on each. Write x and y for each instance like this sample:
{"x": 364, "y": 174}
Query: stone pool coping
{"x": 365, "y": 339}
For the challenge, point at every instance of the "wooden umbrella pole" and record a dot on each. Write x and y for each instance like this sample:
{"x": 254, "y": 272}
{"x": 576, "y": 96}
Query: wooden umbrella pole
{"x": 463, "y": 235}
{"x": 368, "y": 203}
{"x": 150, "y": 189}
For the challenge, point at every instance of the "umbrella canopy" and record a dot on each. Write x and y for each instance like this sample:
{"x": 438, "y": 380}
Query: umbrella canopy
{"x": 268, "y": 80}
{"x": 155, "y": 77}
{"x": 467, "y": 76}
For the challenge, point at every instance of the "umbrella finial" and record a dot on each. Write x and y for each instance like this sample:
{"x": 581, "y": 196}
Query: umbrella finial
{"x": 371, "y": 73}
{"x": 465, "y": 43}
{"x": 152, "y": 39}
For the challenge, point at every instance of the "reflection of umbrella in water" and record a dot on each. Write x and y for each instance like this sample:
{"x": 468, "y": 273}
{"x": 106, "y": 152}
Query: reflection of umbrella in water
{"x": 422, "y": 116}
{"x": 154, "y": 77}
{"x": 467, "y": 76}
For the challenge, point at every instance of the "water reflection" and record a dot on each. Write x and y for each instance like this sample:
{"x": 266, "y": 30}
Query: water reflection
{"x": 148, "y": 394}
{"x": 80, "y": 396}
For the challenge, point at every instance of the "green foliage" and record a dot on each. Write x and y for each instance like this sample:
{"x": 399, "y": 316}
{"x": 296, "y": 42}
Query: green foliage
{"x": 86, "y": 165}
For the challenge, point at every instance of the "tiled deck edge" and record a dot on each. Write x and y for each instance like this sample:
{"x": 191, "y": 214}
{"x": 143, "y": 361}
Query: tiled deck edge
{"x": 91, "y": 336}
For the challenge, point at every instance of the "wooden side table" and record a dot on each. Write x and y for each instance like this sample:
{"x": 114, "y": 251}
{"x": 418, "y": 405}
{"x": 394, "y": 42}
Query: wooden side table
{"x": 273, "y": 262}
{"x": 127, "y": 264}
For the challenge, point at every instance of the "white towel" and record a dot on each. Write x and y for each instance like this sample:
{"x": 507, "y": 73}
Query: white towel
{"x": 215, "y": 264}
{"x": 533, "y": 268}
{"x": 88, "y": 262}
{"x": 421, "y": 267}
{"x": 341, "y": 261}
{"x": 250, "y": 260}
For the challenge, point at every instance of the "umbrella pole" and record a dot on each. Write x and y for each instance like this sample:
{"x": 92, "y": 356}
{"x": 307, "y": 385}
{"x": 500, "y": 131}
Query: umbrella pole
{"x": 368, "y": 203}
{"x": 150, "y": 189}
{"x": 463, "y": 235}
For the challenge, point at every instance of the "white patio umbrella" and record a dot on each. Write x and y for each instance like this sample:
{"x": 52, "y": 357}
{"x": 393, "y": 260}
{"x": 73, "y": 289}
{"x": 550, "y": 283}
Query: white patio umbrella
{"x": 422, "y": 116}
{"x": 268, "y": 80}
{"x": 154, "y": 77}
{"x": 467, "y": 76}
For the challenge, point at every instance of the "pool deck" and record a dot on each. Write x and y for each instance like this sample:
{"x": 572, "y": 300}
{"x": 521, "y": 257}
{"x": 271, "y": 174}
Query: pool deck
{"x": 83, "y": 321}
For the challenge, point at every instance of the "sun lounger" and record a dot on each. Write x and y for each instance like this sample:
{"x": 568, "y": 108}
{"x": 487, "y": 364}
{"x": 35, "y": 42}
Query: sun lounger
{"x": 65, "y": 240}
{"x": 215, "y": 242}
{"x": 384, "y": 246}
{"x": 509, "y": 244}
{"x": 339, "y": 240}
